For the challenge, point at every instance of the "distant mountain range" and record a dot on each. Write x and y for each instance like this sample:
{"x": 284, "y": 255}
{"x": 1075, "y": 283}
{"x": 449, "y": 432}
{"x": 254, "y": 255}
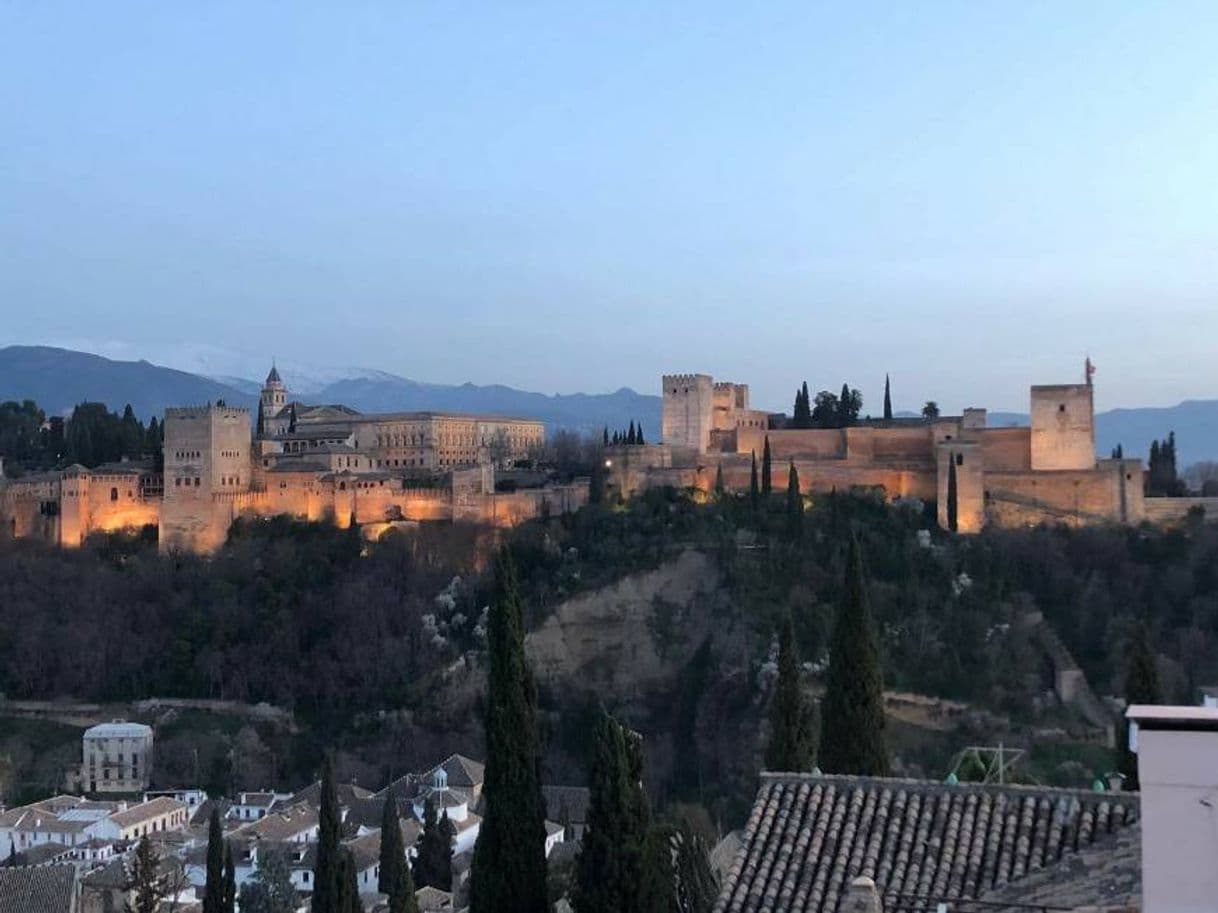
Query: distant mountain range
{"x": 58, "y": 379}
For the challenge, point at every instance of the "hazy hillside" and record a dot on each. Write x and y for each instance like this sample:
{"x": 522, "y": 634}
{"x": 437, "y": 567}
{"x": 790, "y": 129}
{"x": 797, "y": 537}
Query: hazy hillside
{"x": 58, "y": 379}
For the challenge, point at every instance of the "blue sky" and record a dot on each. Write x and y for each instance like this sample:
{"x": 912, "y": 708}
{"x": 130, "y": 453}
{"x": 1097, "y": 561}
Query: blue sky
{"x": 570, "y": 196}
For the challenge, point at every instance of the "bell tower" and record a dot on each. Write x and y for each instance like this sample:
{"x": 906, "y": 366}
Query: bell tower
{"x": 274, "y": 395}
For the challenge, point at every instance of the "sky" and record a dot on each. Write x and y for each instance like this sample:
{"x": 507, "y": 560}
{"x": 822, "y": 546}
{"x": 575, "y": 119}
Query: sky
{"x": 971, "y": 197}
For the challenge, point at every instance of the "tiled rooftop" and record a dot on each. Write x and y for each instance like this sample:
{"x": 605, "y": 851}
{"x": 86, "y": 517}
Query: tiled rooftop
{"x": 810, "y": 834}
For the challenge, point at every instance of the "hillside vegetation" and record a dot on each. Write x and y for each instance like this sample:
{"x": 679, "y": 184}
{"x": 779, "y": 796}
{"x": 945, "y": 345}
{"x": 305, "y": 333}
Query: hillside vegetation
{"x": 664, "y": 609}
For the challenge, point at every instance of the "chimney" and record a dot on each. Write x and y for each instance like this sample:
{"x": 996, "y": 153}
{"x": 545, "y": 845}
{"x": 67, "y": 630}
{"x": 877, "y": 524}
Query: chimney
{"x": 1177, "y": 749}
{"x": 862, "y": 897}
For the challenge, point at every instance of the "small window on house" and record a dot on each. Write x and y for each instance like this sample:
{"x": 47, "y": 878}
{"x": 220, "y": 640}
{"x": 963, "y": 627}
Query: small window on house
{"x": 959, "y": 459}
{"x": 1061, "y": 407}
{"x": 113, "y": 494}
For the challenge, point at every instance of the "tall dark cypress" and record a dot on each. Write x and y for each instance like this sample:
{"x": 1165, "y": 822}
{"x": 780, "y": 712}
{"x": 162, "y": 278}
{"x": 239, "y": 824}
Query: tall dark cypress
{"x": 887, "y": 398}
{"x": 433, "y": 866}
{"x": 347, "y": 887}
{"x": 630, "y": 436}
{"x": 229, "y": 896}
{"x": 638, "y": 435}
{"x": 213, "y": 897}
{"x": 953, "y": 496}
{"x": 1141, "y": 687}
{"x": 326, "y": 885}
{"x": 790, "y": 748}
{"x": 610, "y": 866}
{"x": 766, "y": 481}
{"x": 719, "y": 490}
{"x": 605, "y": 436}
{"x": 509, "y": 865}
{"x": 260, "y": 426}
{"x": 852, "y": 716}
{"x": 795, "y": 505}
{"x": 395, "y": 881}
{"x": 754, "y": 490}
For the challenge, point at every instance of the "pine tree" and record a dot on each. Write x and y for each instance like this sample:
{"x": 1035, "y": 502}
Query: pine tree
{"x": 326, "y": 885}
{"x": 852, "y": 719}
{"x": 145, "y": 887}
{"x": 394, "y": 880}
{"x": 610, "y": 864}
{"x": 213, "y": 901}
{"x": 754, "y": 491}
{"x": 1141, "y": 687}
{"x": 229, "y": 904}
{"x": 795, "y": 505}
{"x": 887, "y": 398}
{"x": 509, "y": 865}
{"x": 790, "y": 748}
{"x": 271, "y": 889}
{"x": 766, "y": 483}
{"x": 953, "y": 496}
{"x": 433, "y": 865}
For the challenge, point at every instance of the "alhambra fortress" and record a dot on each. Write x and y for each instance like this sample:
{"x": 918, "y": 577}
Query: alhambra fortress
{"x": 379, "y": 471}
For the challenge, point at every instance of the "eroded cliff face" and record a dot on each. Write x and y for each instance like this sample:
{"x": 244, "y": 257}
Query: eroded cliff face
{"x": 625, "y": 640}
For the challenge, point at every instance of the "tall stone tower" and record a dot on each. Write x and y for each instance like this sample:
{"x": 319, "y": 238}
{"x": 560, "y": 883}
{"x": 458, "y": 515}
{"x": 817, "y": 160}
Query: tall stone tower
{"x": 1063, "y": 427}
{"x": 688, "y": 410}
{"x": 274, "y": 394}
{"x": 207, "y": 470}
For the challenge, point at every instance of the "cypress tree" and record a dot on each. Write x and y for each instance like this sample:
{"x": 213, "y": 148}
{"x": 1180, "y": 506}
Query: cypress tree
{"x": 347, "y": 896}
{"x": 605, "y": 435}
{"x": 852, "y": 720}
{"x": 802, "y": 415}
{"x": 145, "y": 884}
{"x": 292, "y": 418}
{"x": 610, "y": 864}
{"x": 795, "y": 505}
{"x": 754, "y": 491}
{"x": 596, "y": 482}
{"x": 790, "y": 748}
{"x": 696, "y": 888}
{"x": 1118, "y": 452}
{"x": 433, "y": 865}
{"x": 1141, "y": 687}
{"x": 953, "y": 497}
{"x": 887, "y": 398}
{"x": 638, "y": 435}
{"x": 630, "y": 435}
{"x": 395, "y": 881}
{"x": 719, "y": 490}
{"x": 260, "y": 426}
{"x": 326, "y": 884}
{"x": 213, "y": 897}
{"x": 766, "y": 483}
{"x": 229, "y": 904}
{"x": 509, "y": 865}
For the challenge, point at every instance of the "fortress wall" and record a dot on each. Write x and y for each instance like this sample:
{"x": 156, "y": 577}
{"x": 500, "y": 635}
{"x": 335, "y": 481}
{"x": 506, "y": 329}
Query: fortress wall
{"x": 22, "y": 513}
{"x": 905, "y": 444}
{"x": 788, "y": 443}
{"x": 1173, "y": 510}
{"x": 1075, "y": 497}
{"x": 815, "y": 477}
{"x": 506, "y": 509}
{"x": 1006, "y": 449}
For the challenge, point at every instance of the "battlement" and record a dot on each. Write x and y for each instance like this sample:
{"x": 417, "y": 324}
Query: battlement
{"x": 669, "y": 380}
{"x": 204, "y": 411}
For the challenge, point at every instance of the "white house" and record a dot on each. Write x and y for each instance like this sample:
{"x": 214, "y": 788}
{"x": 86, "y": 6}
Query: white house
{"x": 116, "y": 757}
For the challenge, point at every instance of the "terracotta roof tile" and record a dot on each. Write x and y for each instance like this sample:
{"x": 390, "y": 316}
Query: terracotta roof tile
{"x": 810, "y": 835}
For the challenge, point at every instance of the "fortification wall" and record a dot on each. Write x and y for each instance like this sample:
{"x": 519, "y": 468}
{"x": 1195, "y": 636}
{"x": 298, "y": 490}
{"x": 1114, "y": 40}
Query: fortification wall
{"x": 899, "y": 444}
{"x": 1063, "y": 428}
{"x": 1169, "y": 511}
{"x": 1006, "y": 449}
{"x": 789, "y": 443}
{"x": 1073, "y": 497}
